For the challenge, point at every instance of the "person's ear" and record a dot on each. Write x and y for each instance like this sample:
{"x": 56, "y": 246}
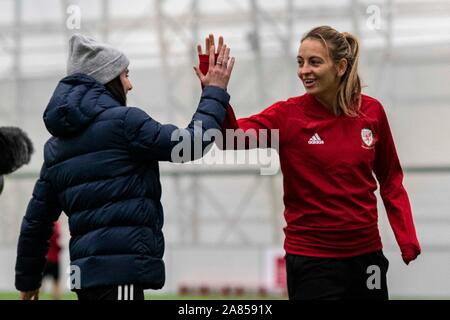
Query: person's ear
{"x": 342, "y": 67}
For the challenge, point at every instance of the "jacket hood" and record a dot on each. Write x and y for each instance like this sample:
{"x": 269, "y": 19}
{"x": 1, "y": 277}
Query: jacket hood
{"x": 75, "y": 103}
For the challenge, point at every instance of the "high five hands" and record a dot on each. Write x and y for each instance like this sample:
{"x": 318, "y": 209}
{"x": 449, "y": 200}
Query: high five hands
{"x": 219, "y": 71}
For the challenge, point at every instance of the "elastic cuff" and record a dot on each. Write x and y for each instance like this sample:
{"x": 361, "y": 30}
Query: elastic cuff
{"x": 217, "y": 93}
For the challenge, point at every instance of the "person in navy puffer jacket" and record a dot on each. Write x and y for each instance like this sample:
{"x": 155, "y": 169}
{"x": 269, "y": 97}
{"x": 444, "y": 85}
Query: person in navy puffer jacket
{"x": 101, "y": 168}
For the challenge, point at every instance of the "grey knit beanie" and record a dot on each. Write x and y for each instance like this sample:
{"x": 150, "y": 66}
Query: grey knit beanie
{"x": 98, "y": 60}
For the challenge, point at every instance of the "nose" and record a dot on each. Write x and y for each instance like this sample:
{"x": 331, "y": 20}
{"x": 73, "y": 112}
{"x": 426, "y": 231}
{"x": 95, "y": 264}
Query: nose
{"x": 305, "y": 69}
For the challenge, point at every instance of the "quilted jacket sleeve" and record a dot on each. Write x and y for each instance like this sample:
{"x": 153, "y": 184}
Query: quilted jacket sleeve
{"x": 151, "y": 140}
{"x": 35, "y": 233}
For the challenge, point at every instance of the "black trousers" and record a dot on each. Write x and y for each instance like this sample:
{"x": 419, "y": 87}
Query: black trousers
{"x": 51, "y": 269}
{"x": 355, "y": 278}
{"x": 122, "y": 292}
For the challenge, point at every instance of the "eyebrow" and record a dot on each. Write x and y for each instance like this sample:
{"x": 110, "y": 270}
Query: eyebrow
{"x": 312, "y": 57}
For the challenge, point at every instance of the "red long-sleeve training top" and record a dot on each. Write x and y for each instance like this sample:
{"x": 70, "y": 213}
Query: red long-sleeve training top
{"x": 328, "y": 164}
{"x": 54, "y": 247}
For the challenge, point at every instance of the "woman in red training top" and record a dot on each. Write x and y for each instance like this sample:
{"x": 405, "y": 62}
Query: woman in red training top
{"x": 331, "y": 141}
{"x": 52, "y": 268}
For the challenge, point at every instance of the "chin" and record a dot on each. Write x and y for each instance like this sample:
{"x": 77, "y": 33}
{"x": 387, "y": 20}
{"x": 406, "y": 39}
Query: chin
{"x": 312, "y": 91}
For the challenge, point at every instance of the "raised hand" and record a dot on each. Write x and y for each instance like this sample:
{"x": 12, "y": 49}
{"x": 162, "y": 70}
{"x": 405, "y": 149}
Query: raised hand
{"x": 219, "y": 71}
{"x": 209, "y": 41}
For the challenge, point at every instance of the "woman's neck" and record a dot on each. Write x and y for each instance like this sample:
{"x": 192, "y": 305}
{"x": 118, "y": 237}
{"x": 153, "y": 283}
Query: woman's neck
{"x": 328, "y": 101}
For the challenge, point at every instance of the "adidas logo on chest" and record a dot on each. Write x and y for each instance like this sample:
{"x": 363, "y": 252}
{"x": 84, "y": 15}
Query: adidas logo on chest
{"x": 315, "y": 139}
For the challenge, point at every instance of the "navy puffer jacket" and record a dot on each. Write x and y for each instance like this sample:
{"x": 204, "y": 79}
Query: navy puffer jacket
{"x": 101, "y": 168}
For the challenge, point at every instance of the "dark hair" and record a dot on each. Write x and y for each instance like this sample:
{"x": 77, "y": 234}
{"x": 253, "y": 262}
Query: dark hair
{"x": 342, "y": 45}
{"x": 115, "y": 87}
{"x": 16, "y": 149}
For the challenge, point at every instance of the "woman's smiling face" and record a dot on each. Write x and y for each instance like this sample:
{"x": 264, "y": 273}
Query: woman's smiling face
{"x": 316, "y": 69}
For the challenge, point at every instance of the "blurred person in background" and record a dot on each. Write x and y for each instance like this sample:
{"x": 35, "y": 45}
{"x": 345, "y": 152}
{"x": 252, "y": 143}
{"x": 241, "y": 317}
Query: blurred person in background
{"x": 101, "y": 168}
{"x": 334, "y": 144}
{"x": 52, "y": 266}
{"x": 15, "y": 151}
